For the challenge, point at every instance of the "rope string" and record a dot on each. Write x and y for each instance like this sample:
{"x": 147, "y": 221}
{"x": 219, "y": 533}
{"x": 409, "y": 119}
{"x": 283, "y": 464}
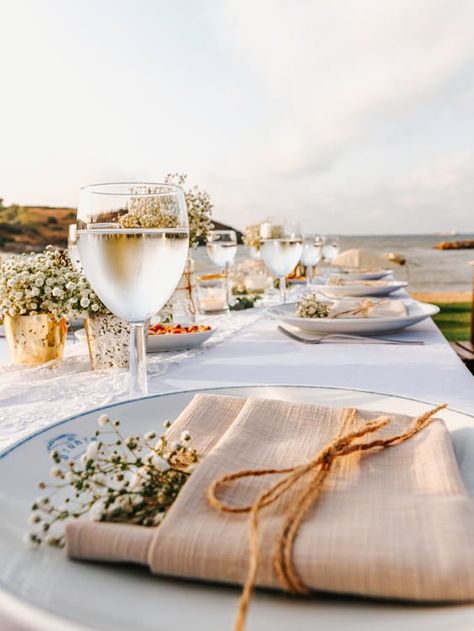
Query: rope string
{"x": 314, "y": 473}
{"x": 363, "y": 309}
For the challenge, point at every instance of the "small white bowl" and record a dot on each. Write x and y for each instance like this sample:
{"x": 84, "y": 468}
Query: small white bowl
{"x": 180, "y": 341}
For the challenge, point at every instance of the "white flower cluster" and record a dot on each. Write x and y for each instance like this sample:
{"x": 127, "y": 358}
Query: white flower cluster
{"x": 252, "y": 237}
{"x": 199, "y": 207}
{"x": 118, "y": 479}
{"x": 309, "y": 306}
{"x": 47, "y": 282}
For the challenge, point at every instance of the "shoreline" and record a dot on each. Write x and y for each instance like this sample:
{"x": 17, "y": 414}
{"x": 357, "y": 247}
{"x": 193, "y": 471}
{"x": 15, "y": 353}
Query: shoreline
{"x": 442, "y": 296}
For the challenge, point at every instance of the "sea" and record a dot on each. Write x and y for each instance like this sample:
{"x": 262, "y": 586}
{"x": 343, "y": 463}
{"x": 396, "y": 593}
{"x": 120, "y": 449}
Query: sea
{"x": 426, "y": 269}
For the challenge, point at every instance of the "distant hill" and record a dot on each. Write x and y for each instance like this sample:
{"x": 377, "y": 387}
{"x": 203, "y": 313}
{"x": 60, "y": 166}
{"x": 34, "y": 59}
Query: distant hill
{"x": 31, "y": 228}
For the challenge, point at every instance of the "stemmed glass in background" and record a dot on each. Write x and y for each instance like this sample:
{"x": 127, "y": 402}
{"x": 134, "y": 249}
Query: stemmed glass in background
{"x": 311, "y": 254}
{"x": 281, "y": 247}
{"x": 331, "y": 248}
{"x": 72, "y": 247}
{"x": 133, "y": 244}
{"x": 221, "y": 248}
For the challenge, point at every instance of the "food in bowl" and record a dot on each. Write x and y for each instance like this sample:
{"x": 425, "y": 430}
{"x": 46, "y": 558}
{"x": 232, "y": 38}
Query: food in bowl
{"x": 177, "y": 329}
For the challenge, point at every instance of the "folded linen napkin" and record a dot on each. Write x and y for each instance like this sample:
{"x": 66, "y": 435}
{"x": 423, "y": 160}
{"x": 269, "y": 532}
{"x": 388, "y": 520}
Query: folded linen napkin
{"x": 359, "y": 258}
{"x": 368, "y": 308}
{"x": 341, "y": 282}
{"x": 390, "y": 523}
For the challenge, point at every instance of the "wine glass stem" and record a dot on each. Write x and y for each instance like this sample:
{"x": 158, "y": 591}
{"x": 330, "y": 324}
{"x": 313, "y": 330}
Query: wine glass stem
{"x": 282, "y": 285}
{"x": 309, "y": 275}
{"x": 227, "y": 284}
{"x": 138, "y": 379}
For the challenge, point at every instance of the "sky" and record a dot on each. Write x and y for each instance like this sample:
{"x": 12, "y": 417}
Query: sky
{"x": 349, "y": 116}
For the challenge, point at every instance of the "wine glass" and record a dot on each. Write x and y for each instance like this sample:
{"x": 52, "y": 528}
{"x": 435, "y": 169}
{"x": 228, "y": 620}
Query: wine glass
{"x": 311, "y": 254}
{"x": 281, "y": 247}
{"x": 133, "y": 242}
{"x": 72, "y": 247}
{"x": 331, "y": 248}
{"x": 221, "y": 248}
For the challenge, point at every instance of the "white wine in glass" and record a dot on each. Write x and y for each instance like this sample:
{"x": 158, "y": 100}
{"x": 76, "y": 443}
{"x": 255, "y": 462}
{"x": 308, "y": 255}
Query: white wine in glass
{"x": 281, "y": 252}
{"x": 221, "y": 248}
{"x": 133, "y": 243}
{"x": 311, "y": 255}
{"x": 331, "y": 248}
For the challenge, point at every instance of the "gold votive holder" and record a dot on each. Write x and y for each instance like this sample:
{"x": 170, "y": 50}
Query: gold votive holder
{"x": 35, "y": 339}
{"x": 212, "y": 293}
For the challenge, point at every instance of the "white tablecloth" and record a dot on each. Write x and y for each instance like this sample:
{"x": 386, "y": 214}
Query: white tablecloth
{"x": 258, "y": 354}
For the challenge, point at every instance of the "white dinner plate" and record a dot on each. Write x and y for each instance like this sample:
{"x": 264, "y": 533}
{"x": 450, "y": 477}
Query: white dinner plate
{"x": 169, "y": 342}
{"x": 160, "y": 343}
{"x": 355, "y": 288}
{"x": 43, "y": 589}
{"x": 354, "y": 274}
{"x": 417, "y": 311}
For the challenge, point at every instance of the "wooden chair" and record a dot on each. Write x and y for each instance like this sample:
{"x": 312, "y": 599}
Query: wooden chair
{"x": 465, "y": 350}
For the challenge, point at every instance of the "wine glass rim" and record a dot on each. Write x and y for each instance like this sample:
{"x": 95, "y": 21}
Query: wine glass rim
{"x": 95, "y": 189}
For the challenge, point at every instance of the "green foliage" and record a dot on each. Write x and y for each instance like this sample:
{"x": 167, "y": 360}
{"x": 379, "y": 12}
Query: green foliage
{"x": 51, "y": 219}
{"x": 10, "y": 228}
{"x": 454, "y": 320}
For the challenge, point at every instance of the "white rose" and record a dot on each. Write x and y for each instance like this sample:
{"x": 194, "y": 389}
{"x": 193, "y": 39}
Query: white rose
{"x": 85, "y": 302}
{"x": 57, "y": 292}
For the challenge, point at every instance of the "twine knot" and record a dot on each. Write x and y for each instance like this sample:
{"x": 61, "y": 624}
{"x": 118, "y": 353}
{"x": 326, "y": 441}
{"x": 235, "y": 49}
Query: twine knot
{"x": 363, "y": 309}
{"x": 312, "y": 475}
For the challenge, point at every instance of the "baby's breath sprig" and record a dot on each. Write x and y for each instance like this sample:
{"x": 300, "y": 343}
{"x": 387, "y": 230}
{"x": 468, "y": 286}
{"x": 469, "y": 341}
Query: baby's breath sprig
{"x": 118, "y": 479}
{"x": 308, "y": 306}
{"x": 46, "y": 282}
{"x": 252, "y": 236}
{"x": 199, "y": 205}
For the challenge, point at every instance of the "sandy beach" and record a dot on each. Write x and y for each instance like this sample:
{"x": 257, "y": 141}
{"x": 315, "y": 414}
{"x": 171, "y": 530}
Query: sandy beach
{"x": 442, "y": 297}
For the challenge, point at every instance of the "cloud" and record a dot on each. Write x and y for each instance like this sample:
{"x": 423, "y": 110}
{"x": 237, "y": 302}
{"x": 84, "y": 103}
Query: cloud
{"x": 349, "y": 115}
{"x": 333, "y": 72}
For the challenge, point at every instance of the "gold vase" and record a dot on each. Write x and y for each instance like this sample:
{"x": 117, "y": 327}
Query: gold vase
{"x": 35, "y": 339}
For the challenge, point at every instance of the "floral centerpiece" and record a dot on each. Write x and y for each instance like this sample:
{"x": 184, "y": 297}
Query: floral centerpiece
{"x": 199, "y": 207}
{"x": 252, "y": 236}
{"x": 39, "y": 293}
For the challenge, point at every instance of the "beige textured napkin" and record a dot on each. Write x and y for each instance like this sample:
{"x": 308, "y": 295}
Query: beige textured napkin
{"x": 338, "y": 281}
{"x": 368, "y": 308}
{"x": 395, "y": 523}
{"x": 358, "y": 258}
{"x": 206, "y": 417}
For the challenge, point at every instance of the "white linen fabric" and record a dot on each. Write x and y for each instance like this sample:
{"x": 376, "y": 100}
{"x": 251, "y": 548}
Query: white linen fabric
{"x": 368, "y": 308}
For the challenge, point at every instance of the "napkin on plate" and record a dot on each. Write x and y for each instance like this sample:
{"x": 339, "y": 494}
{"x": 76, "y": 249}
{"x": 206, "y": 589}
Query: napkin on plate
{"x": 368, "y": 308}
{"x": 359, "y": 259}
{"x": 337, "y": 281}
{"x": 390, "y": 523}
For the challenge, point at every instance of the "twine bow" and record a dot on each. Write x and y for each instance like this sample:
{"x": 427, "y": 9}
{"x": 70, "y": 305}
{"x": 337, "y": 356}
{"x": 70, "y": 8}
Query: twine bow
{"x": 314, "y": 474}
{"x": 363, "y": 309}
